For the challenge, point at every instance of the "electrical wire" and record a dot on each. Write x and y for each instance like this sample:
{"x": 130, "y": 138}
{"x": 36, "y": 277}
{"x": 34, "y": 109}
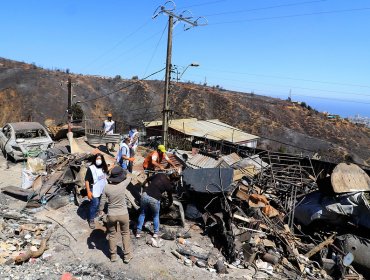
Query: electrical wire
{"x": 287, "y": 78}
{"x": 155, "y": 50}
{"x": 290, "y": 86}
{"x": 202, "y": 4}
{"x": 124, "y": 87}
{"x": 292, "y": 16}
{"x": 116, "y": 45}
{"x": 125, "y": 52}
{"x": 264, "y": 8}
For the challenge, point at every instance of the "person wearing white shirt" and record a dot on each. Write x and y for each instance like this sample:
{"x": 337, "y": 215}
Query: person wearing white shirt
{"x": 108, "y": 126}
{"x": 124, "y": 156}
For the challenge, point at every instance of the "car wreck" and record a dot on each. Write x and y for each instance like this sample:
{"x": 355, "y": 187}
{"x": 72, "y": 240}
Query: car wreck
{"x": 20, "y": 139}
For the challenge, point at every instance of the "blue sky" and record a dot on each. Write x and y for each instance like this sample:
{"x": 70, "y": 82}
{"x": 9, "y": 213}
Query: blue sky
{"x": 317, "y": 51}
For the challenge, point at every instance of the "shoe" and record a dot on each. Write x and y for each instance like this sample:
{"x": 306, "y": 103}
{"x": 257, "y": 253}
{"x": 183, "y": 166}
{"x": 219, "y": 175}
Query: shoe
{"x": 113, "y": 258}
{"x": 127, "y": 260}
{"x": 138, "y": 235}
{"x": 155, "y": 235}
{"x": 92, "y": 224}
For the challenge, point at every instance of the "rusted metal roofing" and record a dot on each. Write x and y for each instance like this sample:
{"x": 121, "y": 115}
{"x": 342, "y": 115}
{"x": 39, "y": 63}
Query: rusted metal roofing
{"x": 210, "y": 129}
{"x": 231, "y": 159}
{"x": 201, "y": 161}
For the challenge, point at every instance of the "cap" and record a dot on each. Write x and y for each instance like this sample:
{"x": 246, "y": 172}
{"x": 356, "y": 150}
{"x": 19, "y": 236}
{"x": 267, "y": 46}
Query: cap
{"x": 161, "y": 148}
{"x": 109, "y": 115}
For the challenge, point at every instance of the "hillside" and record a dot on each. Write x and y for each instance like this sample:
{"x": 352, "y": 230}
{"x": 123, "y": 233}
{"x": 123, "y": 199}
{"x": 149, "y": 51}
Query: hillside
{"x": 30, "y": 92}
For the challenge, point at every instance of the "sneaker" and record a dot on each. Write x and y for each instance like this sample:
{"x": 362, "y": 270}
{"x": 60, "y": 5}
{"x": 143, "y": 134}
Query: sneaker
{"x": 155, "y": 235}
{"x": 138, "y": 235}
{"x": 113, "y": 258}
{"x": 127, "y": 260}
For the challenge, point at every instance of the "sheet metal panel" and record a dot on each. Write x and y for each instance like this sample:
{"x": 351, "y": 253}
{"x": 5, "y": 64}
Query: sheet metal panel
{"x": 201, "y": 161}
{"x": 210, "y": 129}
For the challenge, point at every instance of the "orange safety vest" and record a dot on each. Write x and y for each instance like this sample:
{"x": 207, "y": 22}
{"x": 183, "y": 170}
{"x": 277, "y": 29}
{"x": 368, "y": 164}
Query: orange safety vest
{"x": 148, "y": 160}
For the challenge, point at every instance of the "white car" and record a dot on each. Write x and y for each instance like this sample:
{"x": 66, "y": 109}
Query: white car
{"x": 21, "y": 139}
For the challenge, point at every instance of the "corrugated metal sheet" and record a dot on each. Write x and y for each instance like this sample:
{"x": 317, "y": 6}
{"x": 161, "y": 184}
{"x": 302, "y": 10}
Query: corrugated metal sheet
{"x": 210, "y": 129}
{"x": 231, "y": 159}
{"x": 201, "y": 161}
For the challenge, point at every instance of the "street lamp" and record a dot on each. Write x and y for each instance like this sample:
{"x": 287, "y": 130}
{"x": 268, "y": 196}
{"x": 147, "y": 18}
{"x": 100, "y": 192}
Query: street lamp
{"x": 194, "y": 64}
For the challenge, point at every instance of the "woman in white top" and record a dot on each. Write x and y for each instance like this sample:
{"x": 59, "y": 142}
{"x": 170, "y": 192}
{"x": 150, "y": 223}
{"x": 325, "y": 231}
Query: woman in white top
{"x": 95, "y": 182}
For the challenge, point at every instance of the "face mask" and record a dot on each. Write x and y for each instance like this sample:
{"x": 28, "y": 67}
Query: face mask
{"x": 98, "y": 162}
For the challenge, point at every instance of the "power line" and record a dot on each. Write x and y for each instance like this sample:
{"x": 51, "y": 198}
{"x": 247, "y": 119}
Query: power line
{"x": 291, "y": 87}
{"x": 203, "y": 4}
{"x": 287, "y": 78}
{"x": 291, "y": 16}
{"x": 265, "y": 8}
{"x": 124, "y": 87}
{"x": 125, "y": 52}
{"x": 155, "y": 50}
{"x": 116, "y": 45}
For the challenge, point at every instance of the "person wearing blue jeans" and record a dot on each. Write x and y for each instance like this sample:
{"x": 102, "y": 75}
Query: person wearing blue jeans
{"x": 151, "y": 199}
{"x": 95, "y": 182}
{"x": 124, "y": 157}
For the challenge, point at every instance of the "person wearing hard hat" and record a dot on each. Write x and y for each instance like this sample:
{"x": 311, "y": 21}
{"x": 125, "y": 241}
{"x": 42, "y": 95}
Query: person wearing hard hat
{"x": 154, "y": 159}
{"x": 108, "y": 127}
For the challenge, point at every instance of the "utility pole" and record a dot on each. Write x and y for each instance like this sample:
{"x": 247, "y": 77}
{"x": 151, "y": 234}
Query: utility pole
{"x": 190, "y": 23}
{"x": 166, "y": 105}
{"x": 69, "y": 110}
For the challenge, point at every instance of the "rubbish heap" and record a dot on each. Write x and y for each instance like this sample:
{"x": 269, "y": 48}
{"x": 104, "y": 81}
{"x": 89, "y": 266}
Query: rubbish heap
{"x": 274, "y": 213}
{"x": 23, "y": 237}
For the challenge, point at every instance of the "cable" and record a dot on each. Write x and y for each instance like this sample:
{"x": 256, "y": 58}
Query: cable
{"x": 264, "y": 8}
{"x": 289, "y": 86}
{"x": 202, "y": 4}
{"x": 116, "y": 45}
{"x": 291, "y": 16}
{"x": 155, "y": 49}
{"x": 115, "y": 59}
{"x": 287, "y": 78}
{"x": 124, "y": 87}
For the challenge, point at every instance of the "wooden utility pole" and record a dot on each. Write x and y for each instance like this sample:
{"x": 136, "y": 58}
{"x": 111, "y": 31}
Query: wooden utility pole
{"x": 191, "y": 23}
{"x": 166, "y": 106}
{"x": 69, "y": 86}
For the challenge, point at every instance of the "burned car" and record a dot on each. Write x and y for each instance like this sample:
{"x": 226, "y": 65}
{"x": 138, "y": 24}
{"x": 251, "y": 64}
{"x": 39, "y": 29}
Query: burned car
{"x": 20, "y": 139}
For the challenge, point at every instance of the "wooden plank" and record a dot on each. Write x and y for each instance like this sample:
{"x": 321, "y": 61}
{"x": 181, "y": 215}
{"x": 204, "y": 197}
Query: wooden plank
{"x": 349, "y": 178}
{"x": 23, "y": 194}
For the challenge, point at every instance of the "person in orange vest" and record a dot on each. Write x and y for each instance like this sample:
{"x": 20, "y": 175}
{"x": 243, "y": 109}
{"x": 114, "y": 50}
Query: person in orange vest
{"x": 154, "y": 159}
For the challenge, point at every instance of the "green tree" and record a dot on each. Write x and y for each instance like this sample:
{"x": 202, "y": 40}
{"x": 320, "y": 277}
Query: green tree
{"x": 77, "y": 112}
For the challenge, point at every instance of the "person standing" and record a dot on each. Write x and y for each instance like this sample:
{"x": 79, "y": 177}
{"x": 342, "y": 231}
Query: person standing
{"x": 134, "y": 142}
{"x": 114, "y": 195}
{"x": 151, "y": 200}
{"x": 95, "y": 182}
{"x": 154, "y": 159}
{"x": 108, "y": 126}
{"x": 124, "y": 156}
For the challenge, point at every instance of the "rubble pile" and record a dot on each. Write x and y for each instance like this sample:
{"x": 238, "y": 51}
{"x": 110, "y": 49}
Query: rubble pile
{"x": 255, "y": 213}
{"x": 268, "y": 215}
{"x": 23, "y": 237}
{"x": 42, "y": 269}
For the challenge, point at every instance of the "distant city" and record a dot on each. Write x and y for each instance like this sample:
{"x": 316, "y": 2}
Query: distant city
{"x": 357, "y": 119}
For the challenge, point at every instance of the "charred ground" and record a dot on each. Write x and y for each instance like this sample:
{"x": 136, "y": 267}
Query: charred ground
{"x": 31, "y": 92}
